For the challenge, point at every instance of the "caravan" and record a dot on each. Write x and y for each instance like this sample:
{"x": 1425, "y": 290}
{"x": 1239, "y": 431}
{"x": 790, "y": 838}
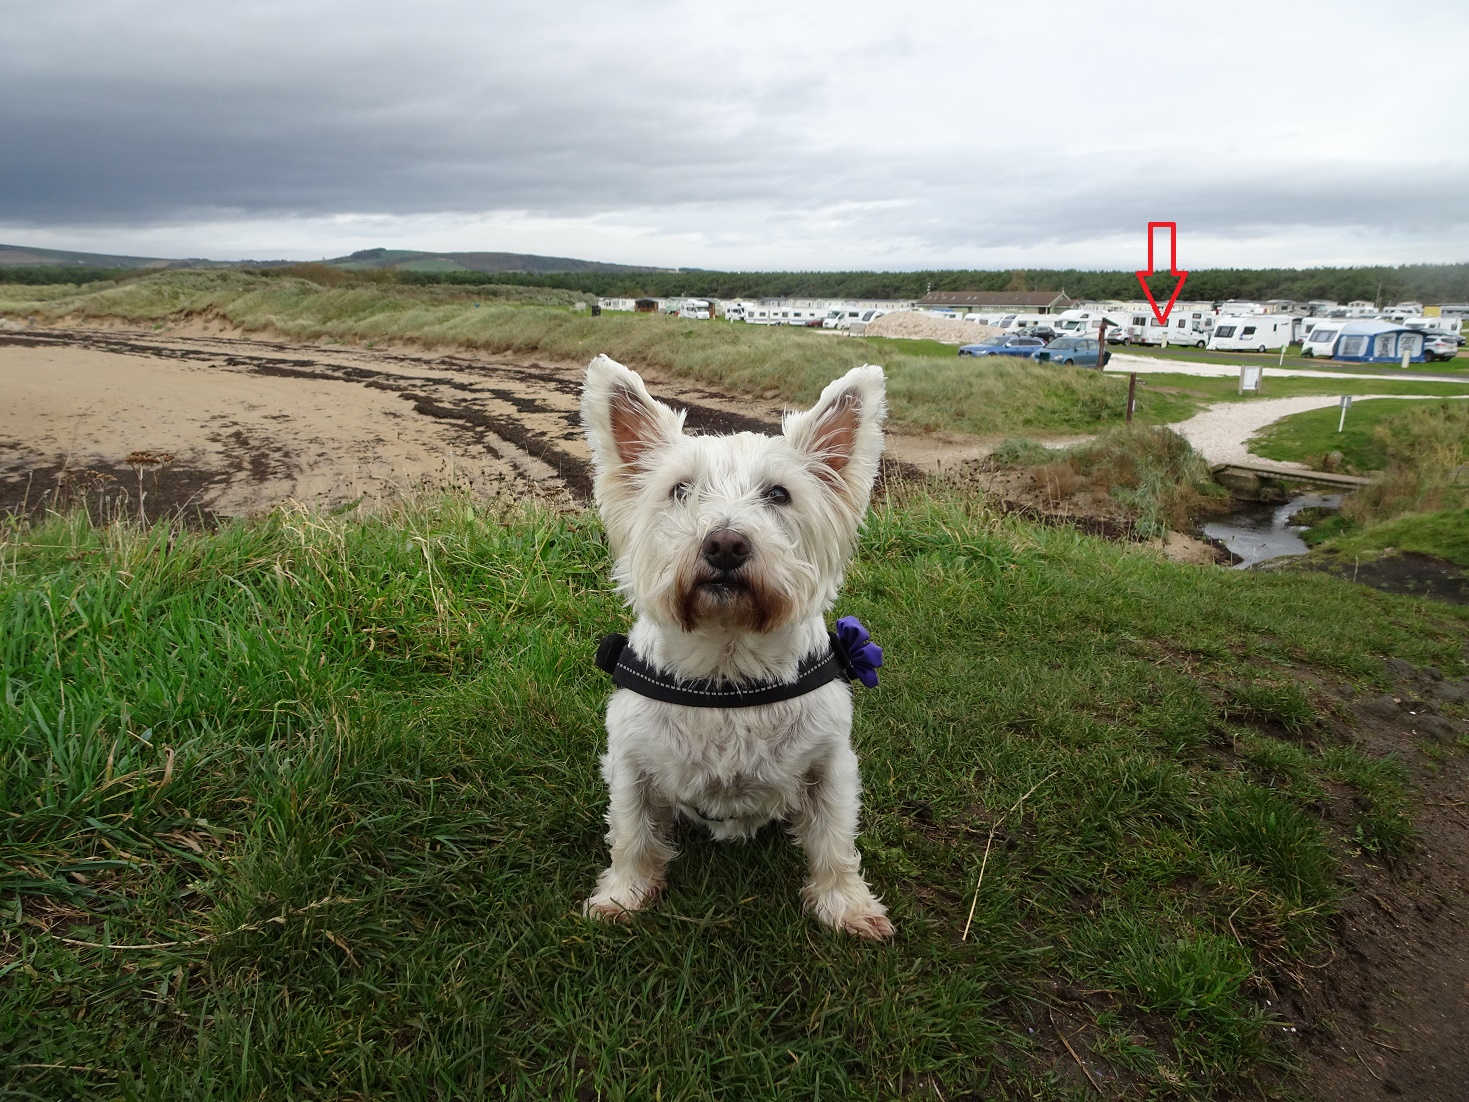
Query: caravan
{"x": 1321, "y": 337}
{"x": 1251, "y": 333}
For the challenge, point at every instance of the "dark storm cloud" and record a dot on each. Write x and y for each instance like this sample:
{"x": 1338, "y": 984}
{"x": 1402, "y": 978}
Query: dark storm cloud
{"x": 735, "y": 126}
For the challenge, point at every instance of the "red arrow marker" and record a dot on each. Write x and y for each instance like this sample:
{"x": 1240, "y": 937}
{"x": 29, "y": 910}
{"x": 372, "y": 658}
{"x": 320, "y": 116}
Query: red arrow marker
{"x": 1142, "y": 277}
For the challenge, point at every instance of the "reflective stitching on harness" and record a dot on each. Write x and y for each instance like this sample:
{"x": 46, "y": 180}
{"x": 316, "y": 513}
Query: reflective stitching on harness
{"x": 801, "y": 671}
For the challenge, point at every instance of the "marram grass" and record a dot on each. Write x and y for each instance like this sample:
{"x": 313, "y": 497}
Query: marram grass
{"x": 925, "y": 392}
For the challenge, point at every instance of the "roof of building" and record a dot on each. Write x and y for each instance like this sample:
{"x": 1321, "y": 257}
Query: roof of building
{"x": 993, "y": 298}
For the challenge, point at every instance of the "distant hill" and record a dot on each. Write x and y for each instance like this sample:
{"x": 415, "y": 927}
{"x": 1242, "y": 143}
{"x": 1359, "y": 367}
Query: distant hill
{"x": 405, "y": 260}
{"x": 16, "y": 256}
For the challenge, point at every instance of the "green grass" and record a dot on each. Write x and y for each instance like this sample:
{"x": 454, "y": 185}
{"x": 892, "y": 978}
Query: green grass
{"x": 1444, "y": 533}
{"x": 1200, "y": 389}
{"x": 1308, "y": 437}
{"x": 1419, "y": 500}
{"x": 924, "y": 391}
{"x": 334, "y": 781}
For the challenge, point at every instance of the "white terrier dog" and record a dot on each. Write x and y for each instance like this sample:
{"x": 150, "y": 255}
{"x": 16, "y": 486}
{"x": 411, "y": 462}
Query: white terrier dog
{"x": 732, "y": 708}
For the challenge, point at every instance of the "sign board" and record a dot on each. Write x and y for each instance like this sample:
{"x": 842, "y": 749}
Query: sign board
{"x": 1250, "y": 379}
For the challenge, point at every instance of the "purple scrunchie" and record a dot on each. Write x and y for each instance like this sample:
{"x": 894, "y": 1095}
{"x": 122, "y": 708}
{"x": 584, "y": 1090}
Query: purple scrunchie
{"x": 862, "y": 655}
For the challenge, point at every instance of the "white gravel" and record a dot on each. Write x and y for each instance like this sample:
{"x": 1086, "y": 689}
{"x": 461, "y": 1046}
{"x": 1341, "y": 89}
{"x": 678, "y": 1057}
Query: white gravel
{"x": 1124, "y": 363}
{"x": 1220, "y": 433}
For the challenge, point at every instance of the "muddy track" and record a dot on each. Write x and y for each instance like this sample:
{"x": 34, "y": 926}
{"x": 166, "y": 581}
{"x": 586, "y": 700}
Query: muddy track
{"x": 519, "y": 422}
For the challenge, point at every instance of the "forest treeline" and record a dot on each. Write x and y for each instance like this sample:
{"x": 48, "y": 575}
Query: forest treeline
{"x": 1427, "y": 283}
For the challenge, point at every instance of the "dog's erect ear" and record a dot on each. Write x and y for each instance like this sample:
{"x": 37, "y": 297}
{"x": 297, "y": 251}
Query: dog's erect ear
{"x": 623, "y": 422}
{"x": 841, "y": 435}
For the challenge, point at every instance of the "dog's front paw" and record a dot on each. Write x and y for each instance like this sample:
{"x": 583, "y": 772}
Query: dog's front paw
{"x": 617, "y": 899}
{"x": 874, "y": 926}
{"x": 853, "y": 910}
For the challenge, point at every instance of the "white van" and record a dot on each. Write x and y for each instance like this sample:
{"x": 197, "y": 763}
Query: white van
{"x": 1251, "y": 333}
{"x": 841, "y": 318}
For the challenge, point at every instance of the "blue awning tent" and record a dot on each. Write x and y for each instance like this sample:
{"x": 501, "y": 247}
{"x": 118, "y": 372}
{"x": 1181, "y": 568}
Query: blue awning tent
{"x": 1378, "y": 342}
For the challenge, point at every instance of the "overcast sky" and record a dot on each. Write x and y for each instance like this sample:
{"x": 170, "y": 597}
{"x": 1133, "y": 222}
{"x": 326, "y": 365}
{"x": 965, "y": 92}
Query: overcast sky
{"x": 746, "y": 135}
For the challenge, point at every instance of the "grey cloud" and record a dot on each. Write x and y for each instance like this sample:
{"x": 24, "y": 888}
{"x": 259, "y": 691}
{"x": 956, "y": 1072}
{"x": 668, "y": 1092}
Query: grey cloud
{"x": 176, "y": 114}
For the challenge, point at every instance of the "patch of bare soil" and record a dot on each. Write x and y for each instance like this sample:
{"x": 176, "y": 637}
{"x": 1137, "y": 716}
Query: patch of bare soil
{"x": 1388, "y": 1015}
{"x": 1408, "y": 572}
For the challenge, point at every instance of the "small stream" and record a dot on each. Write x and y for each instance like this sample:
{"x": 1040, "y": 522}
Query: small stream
{"x": 1259, "y": 532}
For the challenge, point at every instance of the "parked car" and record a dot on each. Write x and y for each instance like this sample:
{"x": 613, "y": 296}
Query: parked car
{"x": 1119, "y": 334}
{"x": 1044, "y": 332}
{"x": 1012, "y": 345}
{"x": 1443, "y": 347}
{"x": 1071, "y": 350}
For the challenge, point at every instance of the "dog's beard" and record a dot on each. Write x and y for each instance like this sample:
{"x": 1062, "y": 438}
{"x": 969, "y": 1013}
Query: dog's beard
{"x": 737, "y": 599}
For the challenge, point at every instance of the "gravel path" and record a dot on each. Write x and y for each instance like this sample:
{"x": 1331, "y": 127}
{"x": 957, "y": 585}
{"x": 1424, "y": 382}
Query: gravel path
{"x": 1123, "y": 363}
{"x": 1221, "y": 432}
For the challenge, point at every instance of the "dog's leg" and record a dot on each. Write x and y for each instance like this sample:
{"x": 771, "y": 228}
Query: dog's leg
{"x": 637, "y": 819}
{"x": 826, "y": 826}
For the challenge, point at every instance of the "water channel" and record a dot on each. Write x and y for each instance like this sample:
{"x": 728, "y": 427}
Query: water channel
{"x": 1258, "y": 532}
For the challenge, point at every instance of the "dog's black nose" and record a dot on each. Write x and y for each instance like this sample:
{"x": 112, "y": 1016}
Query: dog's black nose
{"x": 725, "y": 549}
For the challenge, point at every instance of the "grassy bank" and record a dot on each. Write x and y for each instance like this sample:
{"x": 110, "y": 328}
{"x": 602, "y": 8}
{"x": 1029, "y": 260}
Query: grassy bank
{"x": 925, "y": 392}
{"x": 305, "y": 807}
{"x": 1152, "y": 473}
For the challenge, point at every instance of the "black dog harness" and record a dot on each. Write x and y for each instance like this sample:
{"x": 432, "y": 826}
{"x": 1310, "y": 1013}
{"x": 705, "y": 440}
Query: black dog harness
{"x": 629, "y": 671}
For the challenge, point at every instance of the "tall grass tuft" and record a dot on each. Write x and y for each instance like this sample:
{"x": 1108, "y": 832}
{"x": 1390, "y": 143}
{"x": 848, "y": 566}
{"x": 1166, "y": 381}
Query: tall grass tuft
{"x": 1153, "y": 472}
{"x": 1427, "y": 451}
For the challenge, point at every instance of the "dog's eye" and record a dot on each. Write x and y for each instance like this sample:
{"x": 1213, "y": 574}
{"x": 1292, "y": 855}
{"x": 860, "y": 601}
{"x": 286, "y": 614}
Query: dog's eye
{"x": 777, "y": 495}
{"x": 679, "y": 492}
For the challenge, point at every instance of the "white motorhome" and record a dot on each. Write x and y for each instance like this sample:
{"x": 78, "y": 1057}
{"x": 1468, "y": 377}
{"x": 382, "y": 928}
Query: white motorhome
{"x": 695, "y": 308}
{"x": 1085, "y": 322}
{"x": 847, "y": 315}
{"x": 1251, "y": 332}
{"x": 1449, "y": 327}
{"x": 1186, "y": 327}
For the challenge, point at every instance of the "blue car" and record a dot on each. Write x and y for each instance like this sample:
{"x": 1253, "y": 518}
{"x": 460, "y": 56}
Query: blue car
{"x": 1003, "y": 346}
{"x": 1071, "y": 350}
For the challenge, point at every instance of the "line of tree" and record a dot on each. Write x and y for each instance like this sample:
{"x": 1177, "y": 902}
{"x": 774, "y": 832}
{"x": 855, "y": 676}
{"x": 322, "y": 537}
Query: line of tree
{"x": 1428, "y": 283}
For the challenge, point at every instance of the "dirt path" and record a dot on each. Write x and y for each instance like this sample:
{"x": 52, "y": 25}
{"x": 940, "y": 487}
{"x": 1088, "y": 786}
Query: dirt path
{"x": 244, "y": 424}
